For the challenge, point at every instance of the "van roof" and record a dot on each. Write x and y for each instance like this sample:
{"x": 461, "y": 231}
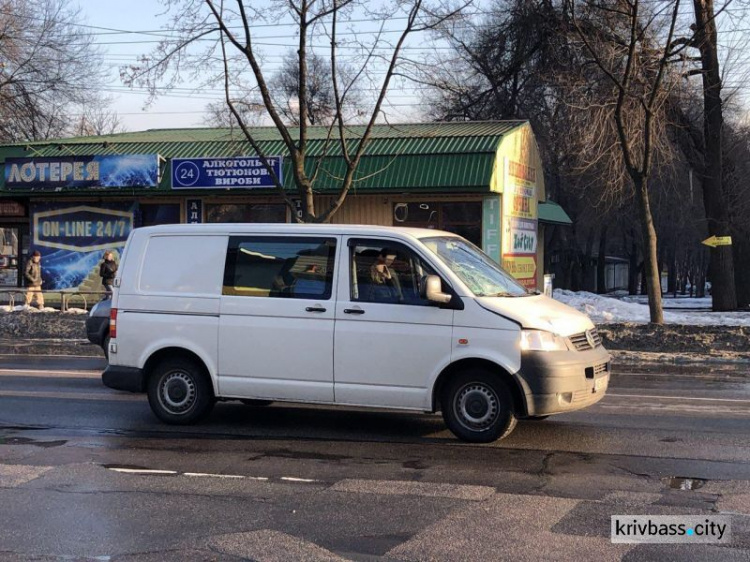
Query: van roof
{"x": 292, "y": 228}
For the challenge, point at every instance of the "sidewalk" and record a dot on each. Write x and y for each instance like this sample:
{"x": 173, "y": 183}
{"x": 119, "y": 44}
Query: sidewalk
{"x": 49, "y": 346}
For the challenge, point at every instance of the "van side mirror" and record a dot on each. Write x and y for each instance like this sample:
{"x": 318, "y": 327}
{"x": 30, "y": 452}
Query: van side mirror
{"x": 434, "y": 290}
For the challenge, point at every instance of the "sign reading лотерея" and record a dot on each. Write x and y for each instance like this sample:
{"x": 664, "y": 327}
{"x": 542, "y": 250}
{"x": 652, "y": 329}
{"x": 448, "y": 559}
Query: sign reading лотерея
{"x": 244, "y": 172}
{"x": 104, "y": 171}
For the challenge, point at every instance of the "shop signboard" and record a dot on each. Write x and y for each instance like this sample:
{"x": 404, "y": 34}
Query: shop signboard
{"x": 520, "y": 224}
{"x": 72, "y": 239}
{"x": 243, "y": 172}
{"x": 72, "y": 172}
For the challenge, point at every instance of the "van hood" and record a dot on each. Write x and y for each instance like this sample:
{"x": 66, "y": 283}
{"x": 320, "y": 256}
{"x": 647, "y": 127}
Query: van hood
{"x": 539, "y": 312}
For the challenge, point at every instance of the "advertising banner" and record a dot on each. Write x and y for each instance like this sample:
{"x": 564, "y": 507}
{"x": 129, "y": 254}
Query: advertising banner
{"x": 72, "y": 239}
{"x": 54, "y": 174}
{"x": 244, "y": 172}
{"x": 520, "y": 225}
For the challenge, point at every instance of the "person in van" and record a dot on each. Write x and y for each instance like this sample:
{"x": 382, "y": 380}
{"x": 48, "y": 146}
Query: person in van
{"x": 107, "y": 271}
{"x": 385, "y": 285}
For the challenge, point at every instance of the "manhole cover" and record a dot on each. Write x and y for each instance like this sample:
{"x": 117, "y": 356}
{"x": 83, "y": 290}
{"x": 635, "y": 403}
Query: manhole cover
{"x": 684, "y": 483}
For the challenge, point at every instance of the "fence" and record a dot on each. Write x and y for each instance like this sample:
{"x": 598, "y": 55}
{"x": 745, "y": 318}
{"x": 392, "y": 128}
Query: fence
{"x": 65, "y": 297}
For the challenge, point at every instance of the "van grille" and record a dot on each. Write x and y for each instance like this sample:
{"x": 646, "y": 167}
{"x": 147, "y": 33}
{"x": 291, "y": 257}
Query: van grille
{"x": 581, "y": 342}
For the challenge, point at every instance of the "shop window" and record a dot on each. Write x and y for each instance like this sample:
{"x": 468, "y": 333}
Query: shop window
{"x": 152, "y": 214}
{"x": 232, "y": 212}
{"x": 462, "y": 218}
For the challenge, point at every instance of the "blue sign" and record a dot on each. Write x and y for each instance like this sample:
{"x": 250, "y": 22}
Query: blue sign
{"x": 244, "y": 172}
{"x": 73, "y": 237}
{"x": 115, "y": 170}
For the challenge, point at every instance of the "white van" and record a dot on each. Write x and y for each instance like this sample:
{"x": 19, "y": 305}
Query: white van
{"x": 381, "y": 317}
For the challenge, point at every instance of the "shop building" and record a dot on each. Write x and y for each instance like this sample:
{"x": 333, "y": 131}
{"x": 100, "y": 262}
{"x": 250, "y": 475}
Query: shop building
{"x": 73, "y": 198}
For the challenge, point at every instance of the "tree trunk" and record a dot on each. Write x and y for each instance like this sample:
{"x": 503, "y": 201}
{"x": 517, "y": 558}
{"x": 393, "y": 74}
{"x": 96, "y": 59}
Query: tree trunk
{"x": 601, "y": 262}
{"x": 650, "y": 254}
{"x": 721, "y": 269}
{"x": 633, "y": 270}
{"x": 672, "y": 271}
{"x": 588, "y": 278}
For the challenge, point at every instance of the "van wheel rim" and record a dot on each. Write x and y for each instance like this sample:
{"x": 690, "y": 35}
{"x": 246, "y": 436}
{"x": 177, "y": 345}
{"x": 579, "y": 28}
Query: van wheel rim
{"x": 476, "y": 406}
{"x": 177, "y": 392}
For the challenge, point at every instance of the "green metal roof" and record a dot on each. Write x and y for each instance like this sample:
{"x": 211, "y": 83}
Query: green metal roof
{"x": 552, "y": 213}
{"x": 413, "y": 157}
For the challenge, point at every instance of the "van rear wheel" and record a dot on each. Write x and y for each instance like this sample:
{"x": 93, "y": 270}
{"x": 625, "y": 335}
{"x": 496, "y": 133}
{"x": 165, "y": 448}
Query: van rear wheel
{"x": 477, "y": 407}
{"x": 179, "y": 391}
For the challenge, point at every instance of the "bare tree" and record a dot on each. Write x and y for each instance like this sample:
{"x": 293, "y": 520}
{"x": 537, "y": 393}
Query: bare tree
{"x": 622, "y": 40}
{"x": 48, "y": 64}
{"x": 96, "y": 119}
{"x": 229, "y": 27}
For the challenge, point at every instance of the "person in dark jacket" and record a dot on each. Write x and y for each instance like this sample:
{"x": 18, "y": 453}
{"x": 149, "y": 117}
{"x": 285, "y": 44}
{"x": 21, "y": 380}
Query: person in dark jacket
{"x": 33, "y": 274}
{"x": 107, "y": 271}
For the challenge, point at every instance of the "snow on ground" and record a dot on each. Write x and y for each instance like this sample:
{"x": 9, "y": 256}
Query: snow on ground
{"x": 670, "y": 301}
{"x": 604, "y": 309}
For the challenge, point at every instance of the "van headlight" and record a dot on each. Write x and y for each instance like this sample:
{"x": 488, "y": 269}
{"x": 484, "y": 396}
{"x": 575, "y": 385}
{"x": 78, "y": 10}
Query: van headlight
{"x": 538, "y": 340}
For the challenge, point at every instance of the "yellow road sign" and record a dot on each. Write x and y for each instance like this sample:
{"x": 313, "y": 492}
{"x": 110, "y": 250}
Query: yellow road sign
{"x": 718, "y": 241}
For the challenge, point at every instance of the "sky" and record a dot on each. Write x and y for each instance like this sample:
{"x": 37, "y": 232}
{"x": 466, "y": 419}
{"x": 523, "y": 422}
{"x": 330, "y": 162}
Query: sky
{"x": 186, "y": 108}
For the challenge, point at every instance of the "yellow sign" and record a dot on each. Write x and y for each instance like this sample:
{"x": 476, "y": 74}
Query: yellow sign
{"x": 718, "y": 241}
{"x": 520, "y": 267}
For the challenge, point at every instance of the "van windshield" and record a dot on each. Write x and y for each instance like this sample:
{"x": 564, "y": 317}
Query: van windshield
{"x": 477, "y": 270}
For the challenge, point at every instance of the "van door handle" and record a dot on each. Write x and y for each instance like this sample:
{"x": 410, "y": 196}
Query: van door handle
{"x": 353, "y": 311}
{"x": 315, "y": 309}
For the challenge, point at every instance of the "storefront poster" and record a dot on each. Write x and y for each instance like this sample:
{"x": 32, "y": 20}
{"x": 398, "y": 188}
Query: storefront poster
{"x": 520, "y": 225}
{"x": 194, "y": 211}
{"x": 244, "y": 172}
{"x": 103, "y": 171}
{"x": 72, "y": 239}
{"x": 491, "y": 227}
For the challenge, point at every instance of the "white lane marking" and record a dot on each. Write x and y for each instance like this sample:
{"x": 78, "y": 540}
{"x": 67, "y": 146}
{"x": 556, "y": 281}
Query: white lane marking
{"x": 51, "y": 373}
{"x": 679, "y": 398}
{"x": 143, "y": 471}
{"x": 293, "y": 479}
{"x": 209, "y": 475}
{"x": 105, "y": 395}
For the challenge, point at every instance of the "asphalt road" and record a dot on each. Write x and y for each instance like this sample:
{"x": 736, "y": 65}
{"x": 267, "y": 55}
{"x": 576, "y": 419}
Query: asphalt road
{"x": 88, "y": 473}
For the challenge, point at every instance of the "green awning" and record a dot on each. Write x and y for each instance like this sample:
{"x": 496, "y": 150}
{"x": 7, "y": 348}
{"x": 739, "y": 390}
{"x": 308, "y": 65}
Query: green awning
{"x": 552, "y": 213}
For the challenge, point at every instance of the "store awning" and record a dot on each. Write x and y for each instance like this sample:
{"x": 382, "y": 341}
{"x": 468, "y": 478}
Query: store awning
{"x": 552, "y": 213}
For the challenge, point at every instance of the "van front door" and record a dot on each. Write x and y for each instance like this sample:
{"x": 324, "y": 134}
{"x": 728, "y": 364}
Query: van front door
{"x": 390, "y": 342}
{"x": 277, "y": 316}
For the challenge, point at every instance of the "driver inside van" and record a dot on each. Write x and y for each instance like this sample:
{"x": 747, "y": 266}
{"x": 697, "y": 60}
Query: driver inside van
{"x": 385, "y": 283}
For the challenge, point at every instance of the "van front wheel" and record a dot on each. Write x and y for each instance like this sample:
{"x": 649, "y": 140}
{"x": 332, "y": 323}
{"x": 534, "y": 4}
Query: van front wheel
{"x": 477, "y": 407}
{"x": 179, "y": 392}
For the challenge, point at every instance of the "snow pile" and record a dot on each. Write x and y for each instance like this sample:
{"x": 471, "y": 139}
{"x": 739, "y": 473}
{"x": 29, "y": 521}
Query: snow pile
{"x": 76, "y": 311}
{"x": 604, "y": 309}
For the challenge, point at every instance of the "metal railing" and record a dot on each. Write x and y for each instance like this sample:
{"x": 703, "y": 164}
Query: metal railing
{"x": 65, "y": 296}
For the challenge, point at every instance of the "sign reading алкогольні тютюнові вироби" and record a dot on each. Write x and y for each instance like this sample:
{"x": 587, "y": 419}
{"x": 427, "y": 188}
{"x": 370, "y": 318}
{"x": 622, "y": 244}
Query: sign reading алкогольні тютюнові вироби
{"x": 244, "y": 172}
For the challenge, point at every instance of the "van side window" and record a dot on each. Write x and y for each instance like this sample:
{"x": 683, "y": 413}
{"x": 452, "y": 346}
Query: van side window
{"x": 387, "y": 272}
{"x": 280, "y": 267}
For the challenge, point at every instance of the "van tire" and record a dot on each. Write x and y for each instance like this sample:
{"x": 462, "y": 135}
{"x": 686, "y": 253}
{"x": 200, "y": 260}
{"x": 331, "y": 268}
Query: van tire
{"x": 477, "y": 407}
{"x": 180, "y": 392}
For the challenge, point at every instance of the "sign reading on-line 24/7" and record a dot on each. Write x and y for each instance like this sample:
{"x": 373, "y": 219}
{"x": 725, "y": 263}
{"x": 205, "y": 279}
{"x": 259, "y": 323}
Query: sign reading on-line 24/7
{"x": 245, "y": 172}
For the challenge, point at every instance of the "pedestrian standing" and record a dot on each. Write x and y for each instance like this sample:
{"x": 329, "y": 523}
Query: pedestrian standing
{"x": 107, "y": 271}
{"x": 34, "y": 281}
